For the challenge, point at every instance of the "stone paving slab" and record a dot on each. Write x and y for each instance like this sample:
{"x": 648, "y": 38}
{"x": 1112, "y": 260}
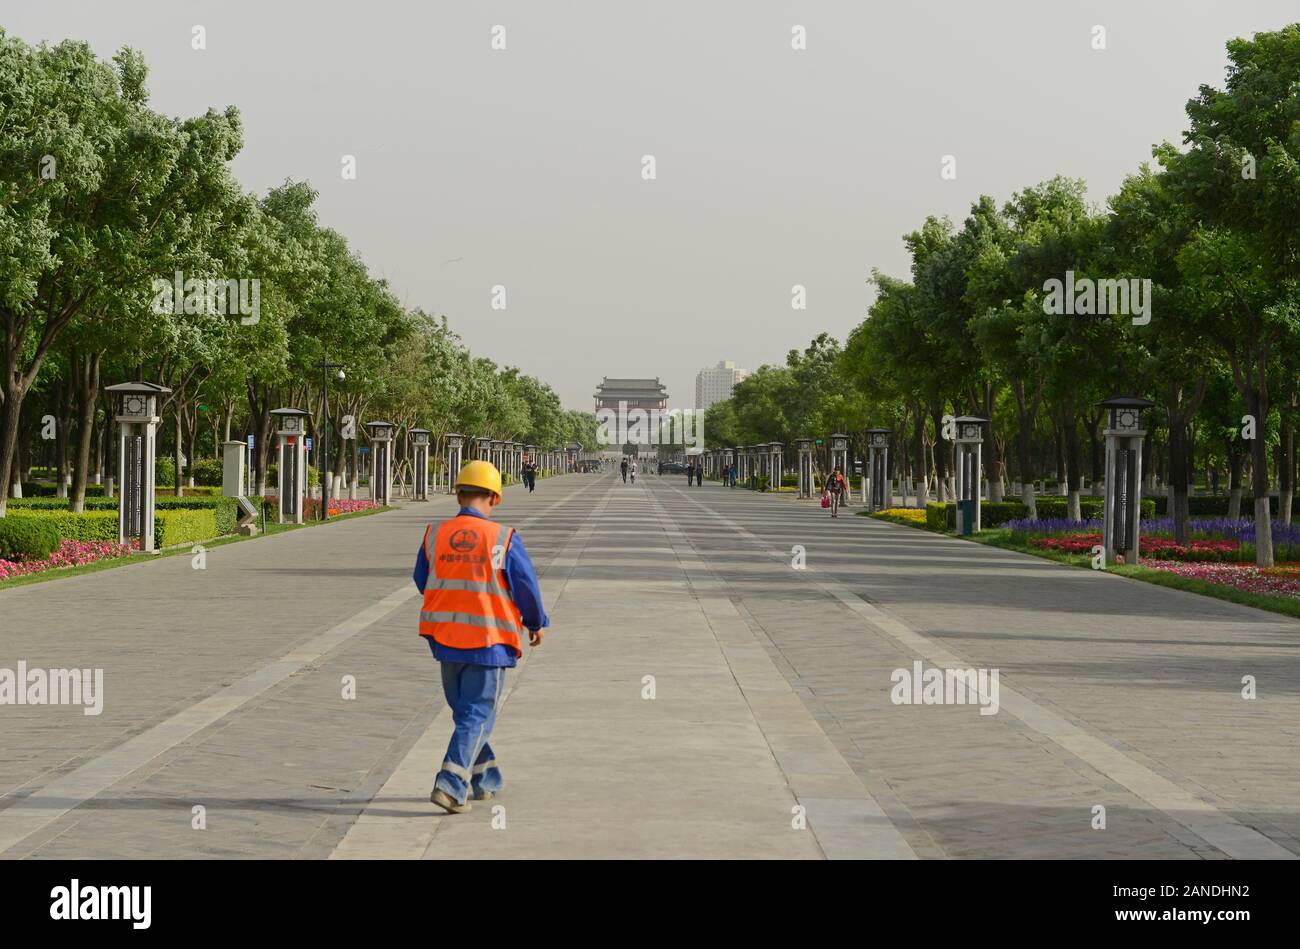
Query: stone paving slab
{"x": 1138, "y": 727}
{"x": 297, "y": 748}
{"x": 595, "y": 769}
{"x": 772, "y": 698}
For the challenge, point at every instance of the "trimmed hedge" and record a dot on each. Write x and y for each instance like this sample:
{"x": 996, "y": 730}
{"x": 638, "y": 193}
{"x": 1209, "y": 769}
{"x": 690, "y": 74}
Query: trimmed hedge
{"x": 208, "y": 472}
{"x": 992, "y": 514}
{"x": 164, "y": 471}
{"x": 35, "y": 489}
{"x": 27, "y": 538}
{"x": 88, "y": 526}
{"x": 1213, "y": 506}
{"x": 184, "y": 526}
{"x": 1058, "y": 506}
{"x": 226, "y": 509}
{"x": 273, "y": 476}
{"x": 185, "y": 519}
{"x": 943, "y": 516}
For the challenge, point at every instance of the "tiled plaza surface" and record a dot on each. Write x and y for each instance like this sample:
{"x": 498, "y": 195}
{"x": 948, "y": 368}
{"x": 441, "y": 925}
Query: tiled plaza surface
{"x": 697, "y": 696}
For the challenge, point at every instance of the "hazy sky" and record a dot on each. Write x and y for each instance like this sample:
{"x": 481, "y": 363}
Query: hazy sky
{"x": 775, "y": 167}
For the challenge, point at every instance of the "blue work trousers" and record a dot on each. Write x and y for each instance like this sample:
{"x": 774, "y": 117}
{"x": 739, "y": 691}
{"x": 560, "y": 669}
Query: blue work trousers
{"x": 474, "y": 694}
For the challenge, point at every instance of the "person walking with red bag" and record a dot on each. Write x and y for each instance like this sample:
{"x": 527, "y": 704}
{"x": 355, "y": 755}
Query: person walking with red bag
{"x": 833, "y": 492}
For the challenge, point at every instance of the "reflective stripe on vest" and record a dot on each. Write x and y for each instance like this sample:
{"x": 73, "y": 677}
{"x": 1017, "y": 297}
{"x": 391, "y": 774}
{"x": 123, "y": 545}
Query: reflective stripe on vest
{"x": 467, "y": 602}
{"x": 468, "y": 619}
{"x": 491, "y": 586}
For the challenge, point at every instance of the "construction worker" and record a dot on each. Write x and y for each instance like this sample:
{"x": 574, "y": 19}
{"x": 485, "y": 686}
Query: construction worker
{"x": 479, "y": 596}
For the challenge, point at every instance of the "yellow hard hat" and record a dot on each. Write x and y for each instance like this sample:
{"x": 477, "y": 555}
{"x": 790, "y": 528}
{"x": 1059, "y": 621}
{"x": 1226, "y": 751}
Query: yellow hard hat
{"x": 480, "y": 474}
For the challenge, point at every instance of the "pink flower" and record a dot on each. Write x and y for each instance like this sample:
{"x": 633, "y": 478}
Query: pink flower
{"x": 1241, "y": 576}
{"x": 71, "y": 553}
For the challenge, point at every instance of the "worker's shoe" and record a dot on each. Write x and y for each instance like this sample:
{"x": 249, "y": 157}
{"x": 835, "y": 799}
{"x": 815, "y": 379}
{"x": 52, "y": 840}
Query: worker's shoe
{"x": 482, "y": 795}
{"x": 447, "y": 802}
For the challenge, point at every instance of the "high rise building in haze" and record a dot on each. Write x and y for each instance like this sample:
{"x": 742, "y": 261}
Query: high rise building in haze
{"x": 715, "y": 383}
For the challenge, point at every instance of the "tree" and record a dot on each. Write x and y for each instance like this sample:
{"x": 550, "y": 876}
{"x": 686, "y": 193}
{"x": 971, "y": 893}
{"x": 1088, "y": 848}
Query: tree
{"x": 1241, "y": 175}
{"x": 99, "y": 193}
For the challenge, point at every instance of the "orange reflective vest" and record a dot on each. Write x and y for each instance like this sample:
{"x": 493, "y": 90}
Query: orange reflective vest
{"x": 467, "y": 603}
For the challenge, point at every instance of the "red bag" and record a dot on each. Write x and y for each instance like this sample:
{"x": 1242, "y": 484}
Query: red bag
{"x": 826, "y": 500}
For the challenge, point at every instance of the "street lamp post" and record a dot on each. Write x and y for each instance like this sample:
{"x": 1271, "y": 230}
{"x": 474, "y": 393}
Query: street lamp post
{"x": 325, "y": 367}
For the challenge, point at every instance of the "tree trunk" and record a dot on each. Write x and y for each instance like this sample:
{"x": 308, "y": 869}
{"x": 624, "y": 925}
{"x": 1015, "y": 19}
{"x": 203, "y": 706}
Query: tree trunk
{"x": 1259, "y": 483}
{"x": 176, "y": 449}
{"x": 86, "y": 375}
{"x": 10, "y": 415}
{"x": 918, "y": 450}
{"x": 1178, "y": 507}
{"x": 1097, "y": 456}
{"x": 1285, "y": 467}
{"x": 940, "y": 455}
{"x": 1235, "y": 459}
{"x": 1026, "y": 413}
{"x": 191, "y": 442}
{"x": 993, "y": 461}
{"x": 356, "y": 469}
{"x": 1073, "y": 458}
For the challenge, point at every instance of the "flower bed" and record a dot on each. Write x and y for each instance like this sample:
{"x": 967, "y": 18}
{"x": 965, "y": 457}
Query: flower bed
{"x": 1272, "y": 581}
{"x": 907, "y": 515}
{"x": 344, "y": 506}
{"x": 1162, "y": 547}
{"x": 71, "y": 553}
{"x": 1210, "y": 539}
{"x": 311, "y": 510}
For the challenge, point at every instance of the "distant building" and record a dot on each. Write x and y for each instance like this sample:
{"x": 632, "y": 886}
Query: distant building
{"x": 634, "y": 393}
{"x": 715, "y": 383}
{"x": 623, "y": 395}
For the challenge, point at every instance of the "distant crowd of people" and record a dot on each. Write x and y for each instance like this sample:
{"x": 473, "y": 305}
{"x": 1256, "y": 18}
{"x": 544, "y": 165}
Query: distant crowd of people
{"x": 835, "y": 487}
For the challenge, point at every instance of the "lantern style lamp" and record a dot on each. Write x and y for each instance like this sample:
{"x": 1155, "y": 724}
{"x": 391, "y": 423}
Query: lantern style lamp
{"x": 776, "y": 462}
{"x": 805, "y": 448}
{"x": 970, "y": 438}
{"x": 420, "y": 451}
{"x": 1123, "y": 500}
{"x": 135, "y": 406}
{"x": 880, "y": 494}
{"x": 291, "y": 466}
{"x": 381, "y": 466}
{"x": 455, "y": 458}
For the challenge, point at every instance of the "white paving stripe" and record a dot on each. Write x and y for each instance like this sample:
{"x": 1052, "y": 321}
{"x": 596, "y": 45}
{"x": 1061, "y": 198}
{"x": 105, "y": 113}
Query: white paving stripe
{"x": 850, "y": 824}
{"x": 399, "y": 823}
{"x": 31, "y": 813}
{"x": 38, "y": 809}
{"x": 1202, "y": 818}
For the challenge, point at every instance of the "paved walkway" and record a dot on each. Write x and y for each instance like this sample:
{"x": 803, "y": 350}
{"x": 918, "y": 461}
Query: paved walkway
{"x": 697, "y": 696}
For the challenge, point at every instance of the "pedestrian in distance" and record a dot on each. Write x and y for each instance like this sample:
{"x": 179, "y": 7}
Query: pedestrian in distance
{"x": 623, "y": 468}
{"x": 835, "y": 488}
{"x": 480, "y": 594}
{"x": 632, "y": 472}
